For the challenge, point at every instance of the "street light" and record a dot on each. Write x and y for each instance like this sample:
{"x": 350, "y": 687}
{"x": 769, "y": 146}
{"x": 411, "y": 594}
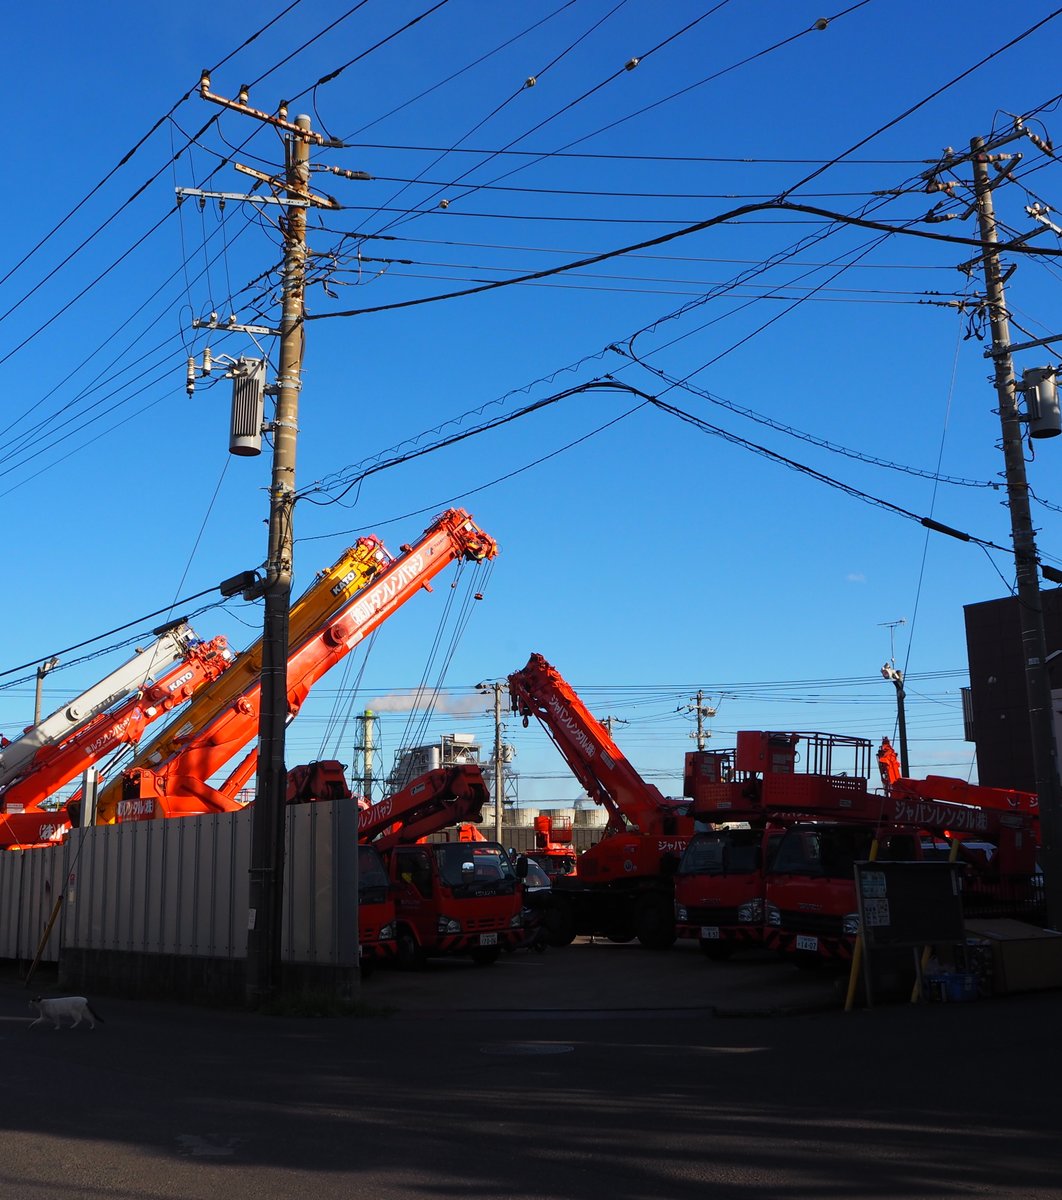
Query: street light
{"x": 499, "y": 781}
{"x": 46, "y": 666}
{"x": 895, "y": 675}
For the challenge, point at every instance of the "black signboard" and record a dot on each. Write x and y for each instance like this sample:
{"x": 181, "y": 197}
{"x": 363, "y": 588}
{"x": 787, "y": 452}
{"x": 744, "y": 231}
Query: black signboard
{"x": 909, "y": 903}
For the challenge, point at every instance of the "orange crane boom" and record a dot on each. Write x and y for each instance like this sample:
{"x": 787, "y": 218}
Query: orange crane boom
{"x": 122, "y": 726}
{"x": 329, "y": 592}
{"x": 435, "y": 800}
{"x": 180, "y": 787}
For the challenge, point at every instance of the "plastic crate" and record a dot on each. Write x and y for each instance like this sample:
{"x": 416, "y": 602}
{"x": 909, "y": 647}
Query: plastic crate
{"x": 952, "y": 988}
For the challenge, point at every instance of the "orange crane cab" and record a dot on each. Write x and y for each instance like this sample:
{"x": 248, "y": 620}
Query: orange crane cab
{"x": 459, "y": 897}
{"x": 623, "y": 886}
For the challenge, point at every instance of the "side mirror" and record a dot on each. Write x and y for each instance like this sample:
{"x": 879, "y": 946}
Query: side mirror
{"x": 521, "y": 867}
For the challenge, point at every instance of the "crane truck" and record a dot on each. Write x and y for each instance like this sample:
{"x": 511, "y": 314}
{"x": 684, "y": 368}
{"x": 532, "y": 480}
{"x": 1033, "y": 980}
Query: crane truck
{"x": 830, "y": 820}
{"x": 59, "y": 758}
{"x": 743, "y": 800}
{"x": 460, "y": 897}
{"x": 622, "y": 888}
{"x": 180, "y": 785}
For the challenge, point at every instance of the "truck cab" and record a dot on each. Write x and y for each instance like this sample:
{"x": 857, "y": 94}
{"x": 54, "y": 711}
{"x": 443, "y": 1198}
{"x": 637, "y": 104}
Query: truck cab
{"x": 376, "y": 911}
{"x": 719, "y": 887}
{"x": 811, "y": 911}
{"x": 455, "y": 898}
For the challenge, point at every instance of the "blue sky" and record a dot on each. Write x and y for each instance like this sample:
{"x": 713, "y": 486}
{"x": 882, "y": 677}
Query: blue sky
{"x": 643, "y": 556}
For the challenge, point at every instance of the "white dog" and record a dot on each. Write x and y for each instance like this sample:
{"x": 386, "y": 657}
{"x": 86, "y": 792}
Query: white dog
{"x": 54, "y": 1008}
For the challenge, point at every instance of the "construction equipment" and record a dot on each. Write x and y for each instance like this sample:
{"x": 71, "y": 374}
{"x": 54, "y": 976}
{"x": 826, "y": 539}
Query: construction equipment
{"x": 33, "y": 747}
{"x": 773, "y": 863}
{"x": 23, "y": 820}
{"x": 459, "y": 897}
{"x": 742, "y": 801}
{"x": 623, "y": 887}
{"x": 553, "y": 850}
{"x": 330, "y": 591}
{"x": 955, "y": 791}
{"x": 179, "y": 785}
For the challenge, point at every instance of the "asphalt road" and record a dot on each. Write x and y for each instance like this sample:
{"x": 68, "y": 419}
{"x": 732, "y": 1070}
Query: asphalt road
{"x": 594, "y": 1072}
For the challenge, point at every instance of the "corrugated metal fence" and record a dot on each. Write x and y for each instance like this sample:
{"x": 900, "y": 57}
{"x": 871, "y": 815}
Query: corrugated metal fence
{"x": 180, "y": 887}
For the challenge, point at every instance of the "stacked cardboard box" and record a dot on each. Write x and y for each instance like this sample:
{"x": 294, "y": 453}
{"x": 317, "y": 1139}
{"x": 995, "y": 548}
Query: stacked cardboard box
{"x": 1024, "y": 958}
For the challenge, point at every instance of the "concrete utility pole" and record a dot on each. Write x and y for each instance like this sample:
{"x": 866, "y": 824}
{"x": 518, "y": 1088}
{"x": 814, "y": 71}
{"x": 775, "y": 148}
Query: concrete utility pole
{"x": 700, "y": 710}
{"x": 610, "y": 722}
{"x": 1034, "y": 646}
{"x": 267, "y": 838}
{"x": 499, "y": 763}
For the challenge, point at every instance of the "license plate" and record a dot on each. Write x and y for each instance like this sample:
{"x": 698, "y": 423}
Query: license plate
{"x": 804, "y": 942}
{"x": 710, "y": 932}
{"x": 488, "y": 939}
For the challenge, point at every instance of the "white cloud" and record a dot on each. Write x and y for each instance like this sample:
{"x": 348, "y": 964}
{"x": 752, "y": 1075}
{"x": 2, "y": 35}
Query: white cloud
{"x": 439, "y": 702}
{"x": 856, "y": 577}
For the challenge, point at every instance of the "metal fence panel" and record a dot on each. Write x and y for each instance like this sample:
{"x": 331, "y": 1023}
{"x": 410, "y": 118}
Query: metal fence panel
{"x": 30, "y": 883}
{"x": 181, "y": 887}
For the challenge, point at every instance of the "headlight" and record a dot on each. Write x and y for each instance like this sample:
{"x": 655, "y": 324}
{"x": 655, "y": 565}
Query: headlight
{"x": 774, "y": 914}
{"x": 850, "y": 924}
{"x": 387, "y": 933}
{"x": 448, "y": 925}
{"x": 751, "y": 911}
{"x": 681, "y": 913}
{"x": 516, "y": 920}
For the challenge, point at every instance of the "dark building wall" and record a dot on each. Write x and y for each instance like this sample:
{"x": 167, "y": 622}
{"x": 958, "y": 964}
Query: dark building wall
{"x": 997, "y": 687}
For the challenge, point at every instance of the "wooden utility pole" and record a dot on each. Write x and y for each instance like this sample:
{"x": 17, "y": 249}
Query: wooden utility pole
{"x": 267, "y": 838}
{"x": 1026, "y": 561}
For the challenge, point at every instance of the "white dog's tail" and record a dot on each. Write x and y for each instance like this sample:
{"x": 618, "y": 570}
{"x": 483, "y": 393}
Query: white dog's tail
{"x": 96, "y": 1016}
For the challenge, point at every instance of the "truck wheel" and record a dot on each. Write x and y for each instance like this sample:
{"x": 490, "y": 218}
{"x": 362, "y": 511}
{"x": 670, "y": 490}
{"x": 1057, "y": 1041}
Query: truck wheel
{"x": 620, "y": 930}
{"x": 558, "y": 921}
{"x": 654, "y": 921}
{"x": 410, "y": 957}
{"x": 485, "y": 956}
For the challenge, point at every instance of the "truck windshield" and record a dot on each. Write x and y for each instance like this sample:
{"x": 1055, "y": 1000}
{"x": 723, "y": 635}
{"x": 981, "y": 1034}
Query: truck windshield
{"x": 489, "y": 863}
{"x": 372, "y": 878}
{"x": 725, "y": 852}
{"x": 825, "y": 851}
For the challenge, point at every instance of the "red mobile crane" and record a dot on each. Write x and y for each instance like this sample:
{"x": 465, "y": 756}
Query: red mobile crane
{"x": 23, "y": 822}
{"x": 813, "y": 825}
{"x": 455, "y": 897}
{"x": 622, "y": 887}
{"x": 956, "y": 791}
{"x": 179, "y": 785}
{"x": 553, "y": 850}
{"x": 743, "y": 801}
{"x": 831, "y": 821}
